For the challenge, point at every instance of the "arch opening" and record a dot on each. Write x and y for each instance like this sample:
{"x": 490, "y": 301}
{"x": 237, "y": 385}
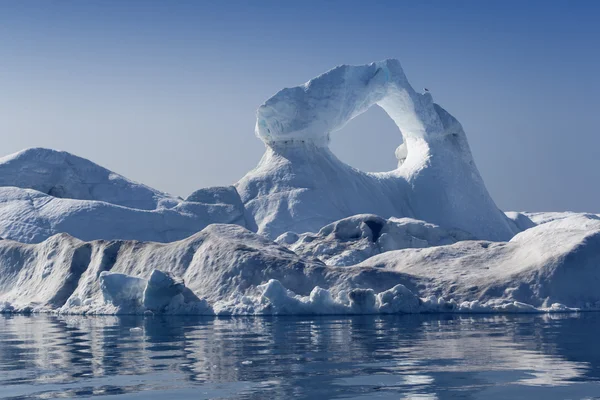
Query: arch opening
{"x": 369, "y": 142}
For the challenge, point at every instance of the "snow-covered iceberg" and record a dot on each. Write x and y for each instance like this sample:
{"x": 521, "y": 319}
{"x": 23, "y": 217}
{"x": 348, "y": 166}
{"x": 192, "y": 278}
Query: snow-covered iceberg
{"x": 302, "y": 233}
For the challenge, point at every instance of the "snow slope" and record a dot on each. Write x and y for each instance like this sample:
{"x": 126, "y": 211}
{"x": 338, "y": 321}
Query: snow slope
{"x": 299, "y": 185}
{"x": 64, "y": 175}
{"x": 58, "y": 192}
{"x": 29, "y": 216}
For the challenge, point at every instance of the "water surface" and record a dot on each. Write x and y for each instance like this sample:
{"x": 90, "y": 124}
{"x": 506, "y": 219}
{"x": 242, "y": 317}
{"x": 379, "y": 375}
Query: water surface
{"x": 367, "y": 357}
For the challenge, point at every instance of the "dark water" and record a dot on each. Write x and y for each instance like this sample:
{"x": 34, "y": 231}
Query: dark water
{"x": 395, "y": 357}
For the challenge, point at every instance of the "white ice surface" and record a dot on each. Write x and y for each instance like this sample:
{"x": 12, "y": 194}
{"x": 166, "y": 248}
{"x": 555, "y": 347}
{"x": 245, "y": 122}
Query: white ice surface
{"x": 64, "y": 175}
{"x": 60, "y": 192}
{"x": 226, "y": 269}
{"x": 79, "y": 238}
{"x": 354, "y": 239}
{"x": 556, "y": 262}
{"x": 300, "y": 186}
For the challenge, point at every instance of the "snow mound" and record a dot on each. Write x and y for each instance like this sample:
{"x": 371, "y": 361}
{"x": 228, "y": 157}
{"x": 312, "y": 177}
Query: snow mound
{"x": 64, "y": 175}
{"x": 520, "y": 220}
{"x": 30, "y": 216}
{"x": 299, "y": 185}
{"x": 354, "y": 239}
{"x": 226, "y": 269}
{"x": 526, "y": 220}
{"x": 44, "y": 192}
{"x": 539, "y": 218}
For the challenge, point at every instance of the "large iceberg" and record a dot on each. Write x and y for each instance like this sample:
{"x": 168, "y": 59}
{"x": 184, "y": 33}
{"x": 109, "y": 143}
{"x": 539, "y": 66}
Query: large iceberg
{"x": 302, "y": 233}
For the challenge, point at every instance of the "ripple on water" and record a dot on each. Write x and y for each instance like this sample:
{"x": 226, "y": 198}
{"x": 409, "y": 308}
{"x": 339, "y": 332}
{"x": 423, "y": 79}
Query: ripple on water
{"x": 428, "y": 357}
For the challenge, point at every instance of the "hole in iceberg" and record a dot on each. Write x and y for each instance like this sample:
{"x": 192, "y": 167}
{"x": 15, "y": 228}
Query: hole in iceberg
{"x": 368, "y": 142}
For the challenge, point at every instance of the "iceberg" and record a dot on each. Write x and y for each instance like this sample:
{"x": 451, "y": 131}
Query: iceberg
{"x": 302, "y": 233}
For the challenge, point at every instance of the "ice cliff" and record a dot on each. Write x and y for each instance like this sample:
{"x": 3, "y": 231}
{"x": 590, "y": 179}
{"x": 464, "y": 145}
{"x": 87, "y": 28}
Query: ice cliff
{"x": 302, "y": 233}
{"x": 226, "y": 269}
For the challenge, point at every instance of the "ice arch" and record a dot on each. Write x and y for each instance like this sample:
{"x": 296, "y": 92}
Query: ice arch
{"x": 299, "y": 185}
{"x": 377, "y": 137}
{"x": 313, "y": 111}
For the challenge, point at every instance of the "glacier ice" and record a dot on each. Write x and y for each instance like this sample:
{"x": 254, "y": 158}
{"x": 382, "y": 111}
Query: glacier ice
{"x": 302, "y": 233}
{"x": 161, "y": 293}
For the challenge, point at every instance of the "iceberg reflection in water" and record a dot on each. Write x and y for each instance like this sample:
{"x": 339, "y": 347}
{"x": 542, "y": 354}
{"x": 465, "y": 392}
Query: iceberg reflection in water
{"x": 363, "y": 357}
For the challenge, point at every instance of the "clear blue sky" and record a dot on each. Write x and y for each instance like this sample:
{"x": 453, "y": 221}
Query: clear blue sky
{"x": 165, "y": 92}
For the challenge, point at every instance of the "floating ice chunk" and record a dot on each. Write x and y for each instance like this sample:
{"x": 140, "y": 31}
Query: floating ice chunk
{"x": 122, "y": 291}
{"x": 6, "y": 307}
{"x": 398, "y": 300}
{"x": 160, "y": 290}
{"x": 162, "y": 293}
{"x": 561, "y": 308}
{"x": 165, "y": 293}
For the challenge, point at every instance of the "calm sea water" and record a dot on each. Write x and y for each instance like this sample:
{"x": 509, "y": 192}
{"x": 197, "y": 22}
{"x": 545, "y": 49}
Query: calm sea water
{"x": 393, "y": 357}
